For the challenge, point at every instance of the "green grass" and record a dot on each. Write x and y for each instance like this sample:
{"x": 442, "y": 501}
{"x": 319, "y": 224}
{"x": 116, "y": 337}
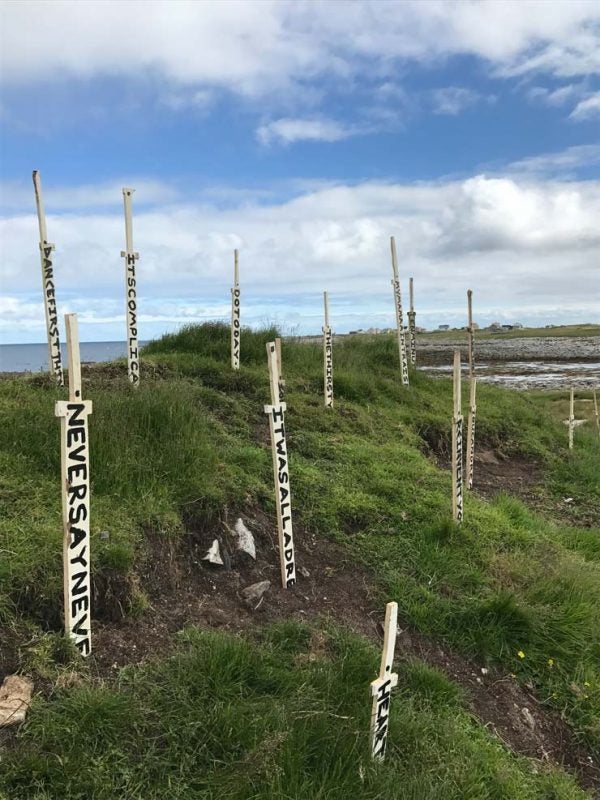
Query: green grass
{"x": 189, "y": 444}
{"x": 242, "y": 719}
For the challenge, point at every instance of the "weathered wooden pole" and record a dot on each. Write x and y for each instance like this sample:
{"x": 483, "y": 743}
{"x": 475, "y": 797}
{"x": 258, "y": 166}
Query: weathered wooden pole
{"x": 49, "y": 290}
{"x": 75, "y": 490}
{"x": 327, "y": 357}
{"x": 381, "y": 687}
{"x": 412, "y": 328}
{"x": 283, "y": 498}
{"x": 457, "y": 444}
{"x": 131, "y": 314}
{"x": 399, "y": 316}
{"x": 472, "y": 394}
{"x": 571, "y": 418}
{"x": 596, "y": 414}
{"x": 280, "y": 381}
{"x": 235, "y": 313}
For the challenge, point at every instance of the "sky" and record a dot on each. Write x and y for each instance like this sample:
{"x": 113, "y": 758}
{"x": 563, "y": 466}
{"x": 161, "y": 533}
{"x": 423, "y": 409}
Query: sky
{"x": 304, "y": 134}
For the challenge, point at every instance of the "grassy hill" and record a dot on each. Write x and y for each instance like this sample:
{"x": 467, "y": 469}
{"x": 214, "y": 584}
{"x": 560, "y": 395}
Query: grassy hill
{"x": 245, "y": 704}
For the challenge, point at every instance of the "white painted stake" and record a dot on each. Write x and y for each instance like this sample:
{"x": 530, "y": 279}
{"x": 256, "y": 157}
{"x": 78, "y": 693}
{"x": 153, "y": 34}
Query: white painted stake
{"x": 381, "y": 688}
{"x": 75, "y": 490}
{"x": 472, "y": 392}
{"x": 596, "y": 413}
{"x": 457, "y": 444}
{"x": 571, "y": 418}
{"x": 280, "y": 382}
{"x": 327, "y": 357}
{"x": 49, "y": 290}
{"x": 281, "y": 474}
{"x": 412, "y": 328}
{"x": 131, "y": 314}
{"x": 235, "y": 313}
{"x": 471, "y": 431}
{"x": 399, "y": 319}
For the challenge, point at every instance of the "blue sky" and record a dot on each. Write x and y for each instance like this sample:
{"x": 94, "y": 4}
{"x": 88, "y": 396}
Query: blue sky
{"x": 304, "y": 134}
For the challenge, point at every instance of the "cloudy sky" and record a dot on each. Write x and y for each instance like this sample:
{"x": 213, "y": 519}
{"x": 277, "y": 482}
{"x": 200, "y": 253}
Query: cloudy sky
{"x": 304, "y": 134}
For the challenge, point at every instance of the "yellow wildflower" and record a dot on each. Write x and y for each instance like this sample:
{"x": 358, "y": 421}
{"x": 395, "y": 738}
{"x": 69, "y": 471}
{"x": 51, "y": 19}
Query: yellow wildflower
{"x": 521, "y": 654}
{"x": 550, "y": 662}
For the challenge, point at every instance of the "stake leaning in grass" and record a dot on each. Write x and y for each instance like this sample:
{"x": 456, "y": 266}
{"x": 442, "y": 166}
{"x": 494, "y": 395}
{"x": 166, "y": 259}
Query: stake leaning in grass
{"x": 399, "y": 315}
{"x": 571, "y": 417}
{"x": 327, "y": 357}
{"x": 381, "y": 687}
{"x": 46, "y": 248}
{"x": 281, "y": 473}
{"x": 130, "y": 256}
{"x": 472, "y": 393}
{"x": 235, "y": 313}
{"x": 412, "y": 329}
{"x": 280, "y": 382}
{"x": 75, "y": 490}
{"x": 457, "y": 444}
{"x": 596, "y": 413}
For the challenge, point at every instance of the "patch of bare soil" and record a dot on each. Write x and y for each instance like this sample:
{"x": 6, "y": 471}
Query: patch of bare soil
{"x": 184, "y": 589}
{"x": 494, "y": 473}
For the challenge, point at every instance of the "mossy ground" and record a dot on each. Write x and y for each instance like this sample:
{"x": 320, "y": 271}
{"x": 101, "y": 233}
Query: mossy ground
{"x": 191, "y": 442}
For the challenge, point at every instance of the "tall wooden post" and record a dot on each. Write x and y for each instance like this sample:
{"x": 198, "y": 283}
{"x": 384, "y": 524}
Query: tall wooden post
{"x": 399, "y": 316}
{"x": 327, "y": 357}
{"x": 596, "y": 414}
{"x": 283, "y": 498}
{"x": 49, "y": 290}
{"x": 381, "y": 687}
{"x": 75, "y": 490}
{"x": 571, "y": 418}
{"x": 131, "y": 314}
{"x": 280, "y": 382}
{"x": 235, "y": 313}
{"x": 472, "y": 393}
{"x": 457, "y": 444}
{"x": 412, "y": 328}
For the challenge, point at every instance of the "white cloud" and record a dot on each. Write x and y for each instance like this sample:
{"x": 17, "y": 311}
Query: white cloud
{"x": 556, "y": 97}
{"x": 257, "y": 47}
{"x": 563, "y": 162}
{"x": 452, "y": 99}
{"x": 288, "y": 131}
{"x": 511, "y": 239}
{"x": 588, "y": 108}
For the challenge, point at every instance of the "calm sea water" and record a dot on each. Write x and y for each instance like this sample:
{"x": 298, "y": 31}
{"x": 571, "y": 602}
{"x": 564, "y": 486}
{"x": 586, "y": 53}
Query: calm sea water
{"x": 34, "y": 357}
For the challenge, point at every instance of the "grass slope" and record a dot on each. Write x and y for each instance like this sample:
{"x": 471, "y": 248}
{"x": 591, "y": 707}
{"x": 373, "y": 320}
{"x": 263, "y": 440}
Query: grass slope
{"x": 191, "y": 442}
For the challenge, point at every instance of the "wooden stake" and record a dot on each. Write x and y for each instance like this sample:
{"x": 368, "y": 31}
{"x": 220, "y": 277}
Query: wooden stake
{"x": 471, "y": 333}
{"x": 382, "y": 686}
{"x": 75, "y": 490}
{"x": 596, "y": 414}
{"x": 399, "y": 316}
{"x": 457, "y": 444}
{"x": 130, "y": 256}
{"x": 327, "y": 357}
{"x": 49, "y": 290}
{"x": 471, "y": 432}
{"x": 412, "y": 328}
{"x": 235, "y": 313}
{"x": 283, "y": 498}
{"x": 281, "y": 382}
{"x": 571, "y": 418}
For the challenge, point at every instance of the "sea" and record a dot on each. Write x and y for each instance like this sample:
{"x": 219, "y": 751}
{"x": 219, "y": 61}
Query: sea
{"x": 34, "y": 357}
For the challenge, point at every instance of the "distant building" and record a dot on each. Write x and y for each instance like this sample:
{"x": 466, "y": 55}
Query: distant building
{"x": 507, "y": 327}
{"x": 443, "y": 327}
{"x": 495, "y": 326}
{"x": 518, "y": 325}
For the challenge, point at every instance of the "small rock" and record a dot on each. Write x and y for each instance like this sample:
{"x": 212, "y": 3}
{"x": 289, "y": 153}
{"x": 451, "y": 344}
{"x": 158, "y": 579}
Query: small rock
{"x": 528, "y": 717}
{"x": 484, "y": 671}
{"x": 245, "y": 540}
{"x": 255, "y": 592}
{"x": 567, "y": 500}
{"x": 213, "y": 555}
{"x": 15, "y": 697}
{"x": 304, "y": 572}
{"x": 104, "y": 536}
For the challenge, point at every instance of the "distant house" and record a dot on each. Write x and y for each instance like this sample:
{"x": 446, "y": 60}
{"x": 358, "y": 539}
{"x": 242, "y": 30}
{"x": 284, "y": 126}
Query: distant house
{"x": 507, "y": 327}
{"x": 443, "y": 327}
{"x": 495, "y": 326}
{"x": 518, "y": 325}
